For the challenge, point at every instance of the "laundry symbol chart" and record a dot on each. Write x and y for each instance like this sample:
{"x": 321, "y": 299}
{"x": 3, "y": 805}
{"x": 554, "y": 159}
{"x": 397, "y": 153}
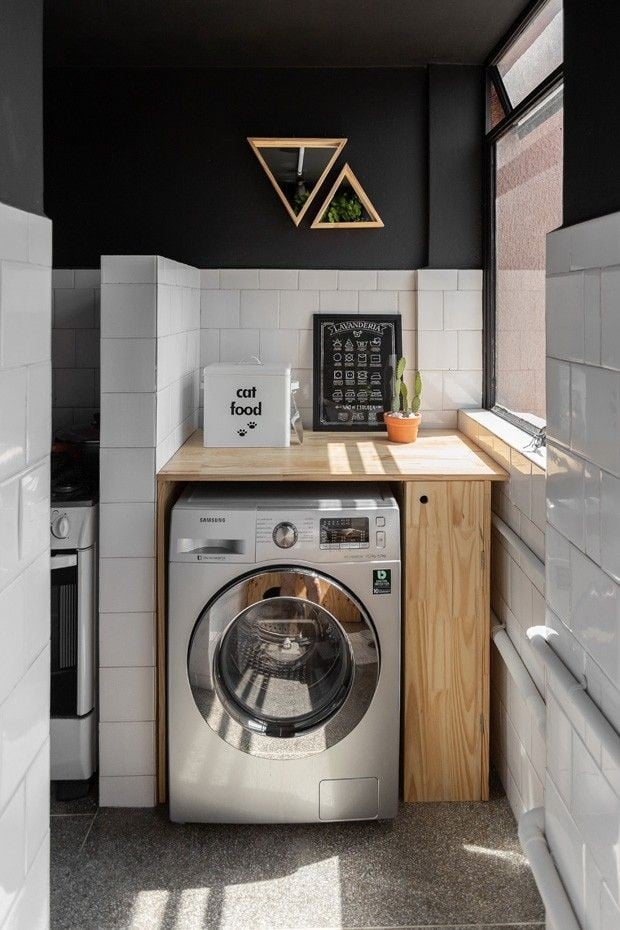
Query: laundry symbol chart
{"x": 352, "y": 359}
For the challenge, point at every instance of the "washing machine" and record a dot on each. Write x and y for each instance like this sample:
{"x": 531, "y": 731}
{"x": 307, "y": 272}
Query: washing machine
{"x": 284, "y": 653}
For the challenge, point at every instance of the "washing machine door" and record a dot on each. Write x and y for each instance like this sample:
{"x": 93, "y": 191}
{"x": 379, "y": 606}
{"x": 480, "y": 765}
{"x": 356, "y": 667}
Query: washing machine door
{"x": 283, "y": 662}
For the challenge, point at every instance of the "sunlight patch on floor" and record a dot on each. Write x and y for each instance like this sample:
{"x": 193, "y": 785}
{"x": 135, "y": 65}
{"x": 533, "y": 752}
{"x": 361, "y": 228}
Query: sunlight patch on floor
{"x": 191, "y": 908}
{"x": 515, "y": 858}
{"x": 149, "y": 909}
{"x": 282, "y": 896}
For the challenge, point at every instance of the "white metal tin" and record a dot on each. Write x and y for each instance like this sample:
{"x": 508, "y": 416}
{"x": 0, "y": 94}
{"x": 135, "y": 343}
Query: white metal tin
{"x": 247, "y": 405}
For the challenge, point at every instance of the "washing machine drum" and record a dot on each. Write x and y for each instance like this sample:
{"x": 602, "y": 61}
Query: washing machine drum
{"x": 283, "y": 663}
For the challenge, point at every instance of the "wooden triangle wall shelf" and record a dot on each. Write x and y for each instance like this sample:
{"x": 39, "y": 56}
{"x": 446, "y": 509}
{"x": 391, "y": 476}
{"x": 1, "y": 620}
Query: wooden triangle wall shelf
{"x": 347, "y": 180}
{"x": 296, "y": 168}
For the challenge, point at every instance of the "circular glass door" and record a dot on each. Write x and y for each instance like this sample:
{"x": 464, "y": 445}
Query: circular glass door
{"x": 283, "y": 662}
{"x": 284, "y": 666}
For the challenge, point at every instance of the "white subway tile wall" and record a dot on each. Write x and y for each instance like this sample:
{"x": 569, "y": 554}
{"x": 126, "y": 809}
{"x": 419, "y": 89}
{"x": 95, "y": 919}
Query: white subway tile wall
{"x": 583, "y": 566}
{"x": 25, "y": 433}
{"x": 75, "y": 345}
{"x": 449, "y": 343}
{"x": 150, "y": 349}
{"x": 267, "y": 313}
{"x": 518, "y": 749}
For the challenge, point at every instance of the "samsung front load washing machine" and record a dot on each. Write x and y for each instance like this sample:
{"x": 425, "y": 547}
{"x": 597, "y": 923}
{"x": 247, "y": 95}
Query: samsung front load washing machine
{"x": 284, "y": 653}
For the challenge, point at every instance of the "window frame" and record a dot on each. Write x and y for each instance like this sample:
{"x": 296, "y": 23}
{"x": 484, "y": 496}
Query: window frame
{"x": 513, "y": 115}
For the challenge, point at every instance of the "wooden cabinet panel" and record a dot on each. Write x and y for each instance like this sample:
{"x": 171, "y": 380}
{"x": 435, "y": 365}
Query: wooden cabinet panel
{"x": 446, "y": 528}
{"x": 168, "y": 493}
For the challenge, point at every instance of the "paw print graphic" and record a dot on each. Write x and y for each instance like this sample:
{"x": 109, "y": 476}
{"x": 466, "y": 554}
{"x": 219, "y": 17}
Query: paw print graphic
{"x": 242, "y": 432}
{"x": 251, "y": 425}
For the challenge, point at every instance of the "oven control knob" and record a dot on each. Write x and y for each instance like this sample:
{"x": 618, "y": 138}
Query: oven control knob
{"x": 285, "y": 535}
{"x": 60, "y": 527}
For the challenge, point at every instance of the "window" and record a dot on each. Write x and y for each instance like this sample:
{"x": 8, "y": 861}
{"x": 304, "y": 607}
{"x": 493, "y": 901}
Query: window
{"x": 525, "y": 152}
{"x": 533, "y": 54}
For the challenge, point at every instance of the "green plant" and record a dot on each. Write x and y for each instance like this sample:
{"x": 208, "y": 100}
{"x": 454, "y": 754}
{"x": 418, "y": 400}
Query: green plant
{"x": 397, "y": 384}
{"x": 417, "y": 393}
{"x": 344, "y": 208}
{"x": 299, "y": 200}
{"x": 400, "y": 392}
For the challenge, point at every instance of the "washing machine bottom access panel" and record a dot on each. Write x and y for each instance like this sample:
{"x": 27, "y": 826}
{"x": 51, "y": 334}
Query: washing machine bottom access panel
{"x": 298, "y": 794}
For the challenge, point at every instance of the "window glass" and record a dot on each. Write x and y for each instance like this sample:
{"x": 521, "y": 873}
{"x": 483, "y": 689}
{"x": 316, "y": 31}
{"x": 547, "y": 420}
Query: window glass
{"x": 528, "y": 205}
{"x": 534, "y": 54}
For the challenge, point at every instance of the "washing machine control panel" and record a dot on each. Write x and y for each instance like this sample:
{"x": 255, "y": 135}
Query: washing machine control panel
{"x": 327, "y": 537}
{"x": 328, "y": 525}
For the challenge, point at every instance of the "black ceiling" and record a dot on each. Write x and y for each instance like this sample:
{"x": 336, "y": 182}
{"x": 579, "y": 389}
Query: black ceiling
{"x": 273, "y": 33}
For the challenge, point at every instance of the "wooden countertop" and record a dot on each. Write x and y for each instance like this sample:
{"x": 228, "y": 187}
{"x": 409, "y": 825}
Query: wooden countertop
{"x": 437, "y": 455}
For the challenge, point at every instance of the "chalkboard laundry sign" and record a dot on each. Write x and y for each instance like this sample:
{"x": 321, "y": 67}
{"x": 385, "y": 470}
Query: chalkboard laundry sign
{"x": 353, "y": 360}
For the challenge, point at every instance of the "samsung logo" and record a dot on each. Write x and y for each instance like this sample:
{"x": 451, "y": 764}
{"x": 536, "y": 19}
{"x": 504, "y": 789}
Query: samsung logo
{"x": 213, "y": 519}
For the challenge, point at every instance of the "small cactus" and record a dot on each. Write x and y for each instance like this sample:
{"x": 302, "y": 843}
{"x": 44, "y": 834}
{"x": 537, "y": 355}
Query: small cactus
{"x": 417, "y": 393}
{"x": 404, "y": 393}
{"x": 400, "y": 392}
{"x": 397, "y": 384}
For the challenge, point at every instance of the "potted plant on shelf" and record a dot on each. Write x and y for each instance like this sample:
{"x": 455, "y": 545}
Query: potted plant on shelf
{"x": 403, "y": 420}
{"x": 346, "y": 207}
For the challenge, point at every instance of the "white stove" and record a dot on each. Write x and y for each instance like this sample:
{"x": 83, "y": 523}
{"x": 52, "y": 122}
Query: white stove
{"x": 73, "y": 541}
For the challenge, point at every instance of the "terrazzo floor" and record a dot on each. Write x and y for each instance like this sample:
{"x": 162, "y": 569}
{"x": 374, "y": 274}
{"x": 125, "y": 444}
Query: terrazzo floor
{"x": 444, "y": 866}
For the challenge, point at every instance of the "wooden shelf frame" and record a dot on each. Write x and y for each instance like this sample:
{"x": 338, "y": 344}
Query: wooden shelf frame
{"x": 257, "y": 143}
{"x": 347, "y": 175}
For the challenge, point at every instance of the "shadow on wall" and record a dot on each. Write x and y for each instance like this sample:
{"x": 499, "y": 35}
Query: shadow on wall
{"x": 75, "y": 346}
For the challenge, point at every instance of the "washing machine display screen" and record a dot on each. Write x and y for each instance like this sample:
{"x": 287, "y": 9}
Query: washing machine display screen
{"x": 345, "y": 533}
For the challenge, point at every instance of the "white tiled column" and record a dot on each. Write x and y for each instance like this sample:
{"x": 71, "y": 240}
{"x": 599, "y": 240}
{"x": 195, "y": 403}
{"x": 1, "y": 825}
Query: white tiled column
{"x": 25, "y": 420}
{"x": 582, "y": 799}
{"x": 178, "y": 356}
{"x": 449, "y": 343}
{"x": 150, "y": 316}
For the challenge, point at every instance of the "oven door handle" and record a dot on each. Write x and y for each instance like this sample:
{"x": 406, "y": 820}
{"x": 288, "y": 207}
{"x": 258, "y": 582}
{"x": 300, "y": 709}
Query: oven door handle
{"x": 63, "y": 561}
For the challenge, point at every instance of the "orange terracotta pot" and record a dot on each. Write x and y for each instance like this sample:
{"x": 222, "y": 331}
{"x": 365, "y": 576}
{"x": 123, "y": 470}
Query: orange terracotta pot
{"x": 402, "y": 429}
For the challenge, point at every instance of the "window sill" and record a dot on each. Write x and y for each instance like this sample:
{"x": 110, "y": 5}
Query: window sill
{"x": 493, "y": 434}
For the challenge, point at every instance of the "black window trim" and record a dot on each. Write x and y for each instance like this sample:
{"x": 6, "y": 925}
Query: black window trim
{"x": 512, "y": 115}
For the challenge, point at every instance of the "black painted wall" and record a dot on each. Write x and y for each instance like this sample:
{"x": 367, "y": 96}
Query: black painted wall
{"x": 155, "y": 161}
{"x": 455, "y": 119}
{"x": 21, "y": 99}
{"x": 591, "y": 109}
